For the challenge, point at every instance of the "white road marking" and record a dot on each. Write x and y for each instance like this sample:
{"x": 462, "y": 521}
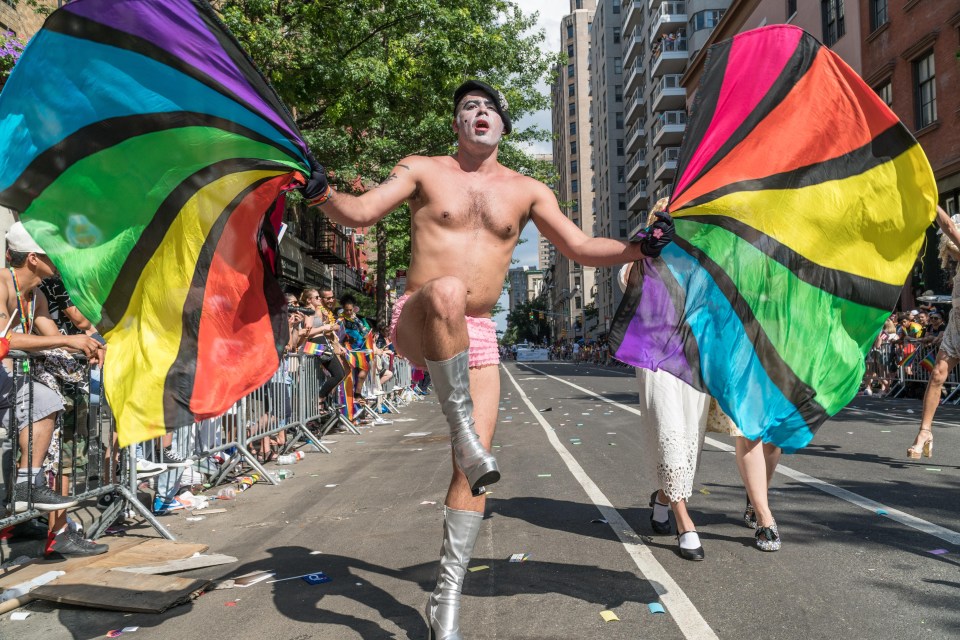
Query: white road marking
{"x": 947, "y": 535}
{"x": 912, "y": 418}
{"x": 688, "y": 618}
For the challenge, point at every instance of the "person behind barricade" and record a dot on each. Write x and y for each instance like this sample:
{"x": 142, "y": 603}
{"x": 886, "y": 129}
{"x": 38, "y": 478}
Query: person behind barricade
{"x": 948, "y": 354}
{"x": 326, "y": 331}
{"x": 356, "y": 328}
{"x": 32, "y": 405}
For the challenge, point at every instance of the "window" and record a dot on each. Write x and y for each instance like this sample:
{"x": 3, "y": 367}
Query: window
{"x": 791, "y": 8}
{"x": 575, "y": 206}
{"x": 878, "y": 14}
{"x": 577, "y": 302}
{"x": 831, "y": 11}
{"x": 573, "y": 128}
{"x": 571, "y": 90}
{"x": 620, "y": 147}
{"x": 569, "y": 50}
{"x": 618, "y": 92}
{"x": 579, "y": 4}
{"x": 618, "y": 65}
{"x": 569, "y": 70}
{"x": 569, "y": 29}
{"x": 618, "y": 119}
{"x": 572, "y": 108}
{"x": 885, "y": 91}
{"x": 622, "y": 201}
{"x": 574, "y": 186}
{"x": 573, "y": 147}
{"x": 621, "y": 177}
{"x": 616, "y": 6}
{"x": 705, "y": 19}
{"x": 573, "y": 166}
{"x": 925, "y": 90}
{"x": 616, "y": 35}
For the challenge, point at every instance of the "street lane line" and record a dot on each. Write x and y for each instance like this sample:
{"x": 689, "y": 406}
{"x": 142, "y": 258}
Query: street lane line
{"x": 688, "y": 619}
{"x": 947, "y": 535}
{"x": 896, "y": 415}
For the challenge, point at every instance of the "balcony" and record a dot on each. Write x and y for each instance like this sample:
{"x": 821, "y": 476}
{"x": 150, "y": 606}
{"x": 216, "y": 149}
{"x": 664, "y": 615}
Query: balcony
{"x": 634, "y": 73}
{"x": 668, "y": 56}
{"x": 636, "y": 222}
{"x": 665, "y": 163}
{"x": 634, "y": 137}
{"x": 637, "y": 165}
{"x": 331, "y": 245}
{"x": 653, "y": 4}
{"x": 668, "y": 127}
{"x": 636, "y": 194}
{"x": 669, "y": 17}
{"x": 668, "y": 94}
{"x": 662, "y": 192}
{"x": 632, "y": 15}
{"x": 633, "y": 47}
{"x": 634, "y": 107}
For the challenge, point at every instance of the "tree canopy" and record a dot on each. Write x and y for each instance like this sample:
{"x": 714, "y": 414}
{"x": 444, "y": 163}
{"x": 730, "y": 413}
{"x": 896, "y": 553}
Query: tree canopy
{"x": 371, "y": 81}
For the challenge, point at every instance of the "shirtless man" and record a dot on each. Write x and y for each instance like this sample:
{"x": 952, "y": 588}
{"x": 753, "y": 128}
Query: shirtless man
{"x": 24, "y": 311}
{"x": 467, "y": 212}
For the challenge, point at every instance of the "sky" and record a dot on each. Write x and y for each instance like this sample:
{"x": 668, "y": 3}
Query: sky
{"x": 550, "y": 12}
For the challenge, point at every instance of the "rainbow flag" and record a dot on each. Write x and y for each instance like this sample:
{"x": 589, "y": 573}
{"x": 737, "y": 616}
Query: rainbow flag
{"x": 347, "y": 402}
{"x": 908, "y": 359}
{"x": 313, "y": 348}
{"x": 148, "y": 158}
{"x": 368, "y": 343}
{"x": 801, "y": 203}
{"x": 929, "y": 362}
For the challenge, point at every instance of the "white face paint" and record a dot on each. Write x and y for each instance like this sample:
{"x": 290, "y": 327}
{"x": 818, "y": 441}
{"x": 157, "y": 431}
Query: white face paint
{"x": 478, "y": 121}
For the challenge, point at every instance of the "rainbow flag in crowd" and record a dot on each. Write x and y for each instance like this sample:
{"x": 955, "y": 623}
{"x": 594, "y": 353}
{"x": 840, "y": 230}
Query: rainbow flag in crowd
{"x": 345, "y": 391}
{"x": 929, "y": 362}
{"x": 148, "y": 157}
{"x": 313, "y": 348}
{"x": 909, "y": 358}
{"x": 800, "y": 202}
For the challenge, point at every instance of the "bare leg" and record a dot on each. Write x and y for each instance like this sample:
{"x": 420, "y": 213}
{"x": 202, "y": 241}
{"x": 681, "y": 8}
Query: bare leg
{"x": 42, "y": 435}
{"x": 684, "y": 522}
{"x": 754, "y": 472}
{"x": 931, "y": 400}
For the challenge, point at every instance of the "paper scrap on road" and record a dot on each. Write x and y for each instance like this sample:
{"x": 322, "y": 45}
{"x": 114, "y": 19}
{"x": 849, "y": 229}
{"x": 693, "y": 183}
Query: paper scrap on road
{"x": 599, "y": 521}
{"x": 329, "y": 486}
{"x": 431, "y": 502}
{"x": 249, "y": 579}
{"x": 655, "y": 607}
{"x": 416, "y": 434}
{"x": 881, "y": 512}
{"x": 933, "y": 469}
{"x": 519, "y": 557}
{"x": 19, "y": 615}
{"x": 480, "y": 567}
{"x": 317, "y": 578}
{"x": 544, "y": 475}
{"x": 611, "y": 433}
{"x": 612, "y": 444}
{"x": 938, "y": 552}
{"x": 609, "y": 616}
{"x": 547, "y": 409}
{"x": 704, "y": 492}
{"x": 195, "y": 519}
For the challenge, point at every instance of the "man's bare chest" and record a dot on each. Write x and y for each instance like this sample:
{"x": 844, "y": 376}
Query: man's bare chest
{"x": 474, "y": 209}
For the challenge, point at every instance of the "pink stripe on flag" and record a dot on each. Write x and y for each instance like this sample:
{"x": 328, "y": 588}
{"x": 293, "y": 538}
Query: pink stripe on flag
{"x": 765, "y": 52}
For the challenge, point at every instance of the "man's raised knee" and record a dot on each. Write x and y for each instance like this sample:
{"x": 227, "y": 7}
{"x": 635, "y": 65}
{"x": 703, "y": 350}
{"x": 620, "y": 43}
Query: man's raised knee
{"x": 446, "y": 297}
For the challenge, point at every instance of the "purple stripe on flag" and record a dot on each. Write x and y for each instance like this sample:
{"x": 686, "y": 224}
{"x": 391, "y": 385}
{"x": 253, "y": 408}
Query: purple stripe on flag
{"x": 652, "y": 341}
{"x": 177, "y": 27}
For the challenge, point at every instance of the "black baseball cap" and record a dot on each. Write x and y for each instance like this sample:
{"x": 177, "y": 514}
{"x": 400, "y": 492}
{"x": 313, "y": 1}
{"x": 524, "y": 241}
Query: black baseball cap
{"x": 499, "y": 102}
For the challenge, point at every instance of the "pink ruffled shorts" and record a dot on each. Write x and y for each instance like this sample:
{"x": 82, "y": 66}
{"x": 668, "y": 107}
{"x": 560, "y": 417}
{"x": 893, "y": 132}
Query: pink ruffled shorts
{"x": 482, "y": 331}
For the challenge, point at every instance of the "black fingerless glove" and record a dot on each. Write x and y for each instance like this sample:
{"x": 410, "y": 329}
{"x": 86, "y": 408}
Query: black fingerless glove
{"x": 317, "y": 190}
{"x": 658, "y": 235}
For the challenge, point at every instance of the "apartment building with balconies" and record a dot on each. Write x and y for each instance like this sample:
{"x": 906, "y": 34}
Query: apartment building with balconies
{"x": 570, "y": 285}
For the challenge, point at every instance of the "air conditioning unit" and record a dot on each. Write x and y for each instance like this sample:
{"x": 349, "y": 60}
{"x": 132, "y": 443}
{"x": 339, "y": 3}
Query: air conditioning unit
{"x": 348, "y": 231}
{"x": 359, "y": 238}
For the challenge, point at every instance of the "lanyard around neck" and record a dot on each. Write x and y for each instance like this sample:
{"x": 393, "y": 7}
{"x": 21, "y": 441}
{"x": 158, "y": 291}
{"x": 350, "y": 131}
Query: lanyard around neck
{"x": 26, "y": 315}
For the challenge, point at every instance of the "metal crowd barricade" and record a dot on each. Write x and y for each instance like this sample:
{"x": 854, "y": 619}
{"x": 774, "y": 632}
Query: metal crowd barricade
{"x": 892, "y": 355}
{"x": 82, "y": 461}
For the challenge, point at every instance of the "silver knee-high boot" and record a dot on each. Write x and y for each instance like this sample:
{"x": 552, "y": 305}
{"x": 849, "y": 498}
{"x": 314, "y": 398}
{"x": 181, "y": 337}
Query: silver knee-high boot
{"x": 451, "y": 378}
{"x": 460, "y": 529}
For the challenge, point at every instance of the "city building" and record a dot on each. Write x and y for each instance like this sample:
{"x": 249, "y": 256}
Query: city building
{"x": 571, "y": 285}
{"x": 524, "y": 284}
{"x": 607, "y": 137}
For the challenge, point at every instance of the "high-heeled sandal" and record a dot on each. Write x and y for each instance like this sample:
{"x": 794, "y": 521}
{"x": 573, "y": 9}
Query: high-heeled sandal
{"x": 660, "y": 527}
{"x": 925, "y": 449}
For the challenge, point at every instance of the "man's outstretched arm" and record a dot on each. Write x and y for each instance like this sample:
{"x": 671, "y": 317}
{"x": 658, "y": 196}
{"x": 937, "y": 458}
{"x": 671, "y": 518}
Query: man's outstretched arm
{"x": 369, "y": 207}
{"x": 572, "y": 242}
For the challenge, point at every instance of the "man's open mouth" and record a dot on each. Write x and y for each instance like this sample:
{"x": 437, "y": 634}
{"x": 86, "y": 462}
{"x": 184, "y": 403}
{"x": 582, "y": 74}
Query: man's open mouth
{"x": 481, "y": 125}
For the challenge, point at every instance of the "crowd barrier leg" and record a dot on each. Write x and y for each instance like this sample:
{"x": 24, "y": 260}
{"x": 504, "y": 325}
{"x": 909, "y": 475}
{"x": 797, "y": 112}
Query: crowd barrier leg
{"x": 128, "y": 497}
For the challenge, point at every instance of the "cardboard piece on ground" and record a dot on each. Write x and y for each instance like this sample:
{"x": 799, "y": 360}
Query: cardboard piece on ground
{"x": 150, "y": 552}
{"x": 30, "y": 571}
{"x": 120, "y": 591}
{"x": 609, "y": 616}
{"x": 186, "y": 564}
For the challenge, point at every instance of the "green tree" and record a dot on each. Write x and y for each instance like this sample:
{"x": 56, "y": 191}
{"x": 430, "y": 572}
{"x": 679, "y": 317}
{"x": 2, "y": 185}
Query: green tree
{"x": 370, "y": 81}
{"x": 527, "y": 322}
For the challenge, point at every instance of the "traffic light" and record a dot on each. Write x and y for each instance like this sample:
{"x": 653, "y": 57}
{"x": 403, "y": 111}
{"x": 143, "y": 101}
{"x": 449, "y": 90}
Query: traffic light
{"x": 541, "y": 315}
{"x": 531, "y": 316}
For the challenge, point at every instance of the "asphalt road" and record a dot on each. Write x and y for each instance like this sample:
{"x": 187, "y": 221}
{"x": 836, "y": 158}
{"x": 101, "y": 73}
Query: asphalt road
{"x": 579, "y": 511}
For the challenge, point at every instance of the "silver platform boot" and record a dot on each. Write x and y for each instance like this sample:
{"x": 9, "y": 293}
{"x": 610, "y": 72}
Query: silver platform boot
{"x": 460, "y": 529}
{"x": 451, "y": 379}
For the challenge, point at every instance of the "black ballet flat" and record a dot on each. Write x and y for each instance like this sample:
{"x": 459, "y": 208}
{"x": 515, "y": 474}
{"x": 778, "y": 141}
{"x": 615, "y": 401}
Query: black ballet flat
{"x": 661, "y": 527}
{"x": 690, "y": 554}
